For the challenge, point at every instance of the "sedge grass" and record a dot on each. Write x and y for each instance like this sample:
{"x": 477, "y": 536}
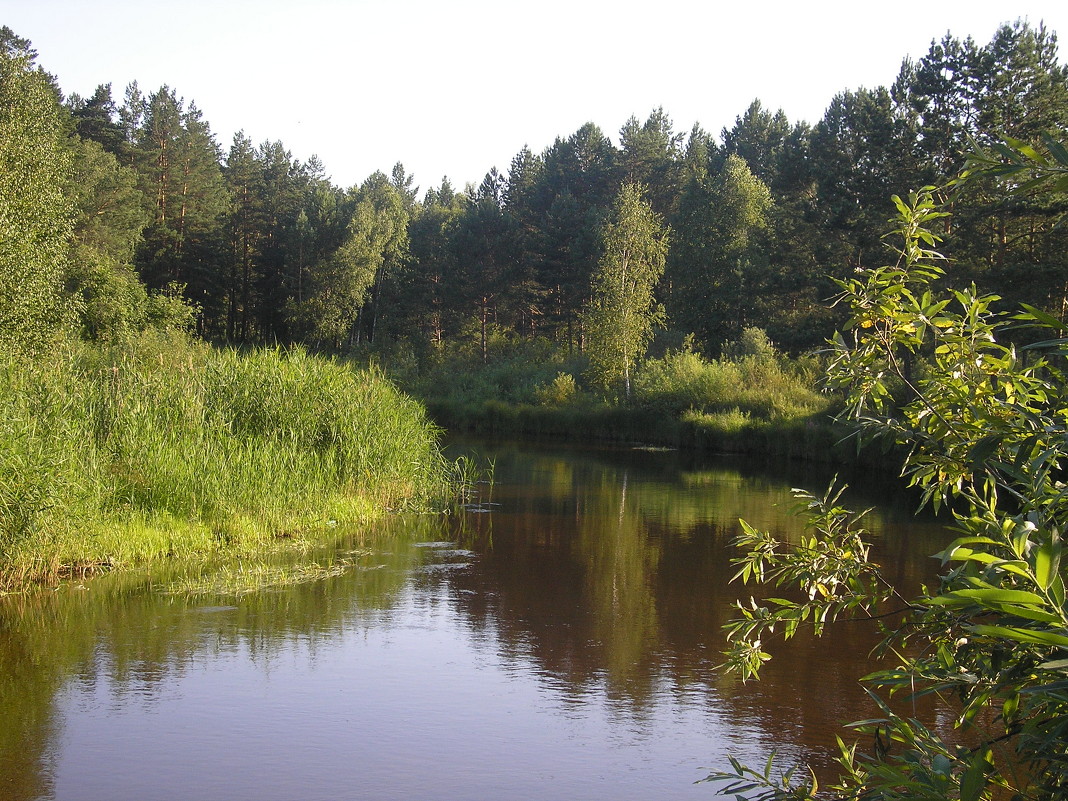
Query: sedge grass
{"x": 166, "y": 447}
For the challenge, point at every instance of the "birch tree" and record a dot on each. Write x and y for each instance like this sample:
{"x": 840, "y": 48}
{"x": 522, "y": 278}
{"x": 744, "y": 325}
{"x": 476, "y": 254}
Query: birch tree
{"x": 622, "y": 312}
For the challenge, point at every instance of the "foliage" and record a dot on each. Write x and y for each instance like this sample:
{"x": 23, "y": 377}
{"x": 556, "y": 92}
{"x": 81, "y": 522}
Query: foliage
{"x": 562, "y": 391}
{"x": 756, "y": 382}
{"x": 270, "y": 251}
{"x": 159, "y": 445}
{"x": 517, "y": 371}
{"x": 177, "y": 161}
{"x": 985, "y": 427}
{"x": 752, "y": 343}
{"x": 622, "y": 312}
{"x": 36, "y": 217}
{"x": 716, "y": 264}
{"x": 341, "y": 284}
{"x": 1015, "y": 159}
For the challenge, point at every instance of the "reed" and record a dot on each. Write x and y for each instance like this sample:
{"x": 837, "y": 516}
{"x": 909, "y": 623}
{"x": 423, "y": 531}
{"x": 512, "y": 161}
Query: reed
{"x": 167, "y": 447}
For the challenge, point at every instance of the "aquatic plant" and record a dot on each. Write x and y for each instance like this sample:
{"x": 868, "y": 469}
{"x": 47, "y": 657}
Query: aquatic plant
{"x": 164, "y": 446}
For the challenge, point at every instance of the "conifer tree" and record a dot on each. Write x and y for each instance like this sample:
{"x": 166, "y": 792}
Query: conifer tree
{"x": 715, "y": 262}
{"x": 181, "y": 176}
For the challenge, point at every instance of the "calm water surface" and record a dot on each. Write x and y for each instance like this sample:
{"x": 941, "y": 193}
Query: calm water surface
{"x": 557, "y": 640}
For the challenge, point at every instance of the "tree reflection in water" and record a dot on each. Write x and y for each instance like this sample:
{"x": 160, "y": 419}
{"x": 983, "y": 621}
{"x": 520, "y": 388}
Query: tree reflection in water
{"x": 586, "y": 582}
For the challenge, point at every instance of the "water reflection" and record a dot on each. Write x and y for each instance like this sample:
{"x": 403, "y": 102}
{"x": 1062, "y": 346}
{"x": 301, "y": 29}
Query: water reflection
{"x": 567, "y": 637}
{"x": 612, "y": 574}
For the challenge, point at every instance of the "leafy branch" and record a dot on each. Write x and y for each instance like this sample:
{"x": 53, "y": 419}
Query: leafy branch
{"x": 985, "y": 430}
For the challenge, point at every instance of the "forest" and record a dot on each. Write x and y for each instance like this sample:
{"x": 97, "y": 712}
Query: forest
{"x": 261, "y": 248}
{"x": 166, "y": 303}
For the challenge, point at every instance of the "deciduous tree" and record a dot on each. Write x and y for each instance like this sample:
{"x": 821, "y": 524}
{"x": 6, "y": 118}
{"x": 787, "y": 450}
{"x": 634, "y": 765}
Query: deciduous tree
{"x": 36, "y": 216}
{"x": 984, "y": 432}
{"x": 622, "y": 312}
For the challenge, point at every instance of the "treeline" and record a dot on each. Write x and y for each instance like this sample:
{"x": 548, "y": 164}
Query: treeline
{"x": 263, "y": 248}
{"x": 135, "y": 441}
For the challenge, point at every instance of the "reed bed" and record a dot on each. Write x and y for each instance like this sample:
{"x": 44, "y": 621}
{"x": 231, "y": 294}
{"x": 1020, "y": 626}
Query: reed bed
{"x": 167, "y": 447}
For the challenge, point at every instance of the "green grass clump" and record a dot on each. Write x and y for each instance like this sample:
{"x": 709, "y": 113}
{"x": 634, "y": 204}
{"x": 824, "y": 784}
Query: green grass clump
{"x": 166, "y": 447}
{"x": 760, "y": 386}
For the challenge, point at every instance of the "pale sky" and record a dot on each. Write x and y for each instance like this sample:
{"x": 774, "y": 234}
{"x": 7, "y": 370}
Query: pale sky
{"x": 455, "y": 88}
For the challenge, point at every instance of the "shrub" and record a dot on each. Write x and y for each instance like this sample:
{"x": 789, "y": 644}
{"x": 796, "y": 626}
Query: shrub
{"x": 764, "y": 388}
{"x": 987, "y": 436}
{"x": 561, "y": 392}
{"x": 752, "y": 344}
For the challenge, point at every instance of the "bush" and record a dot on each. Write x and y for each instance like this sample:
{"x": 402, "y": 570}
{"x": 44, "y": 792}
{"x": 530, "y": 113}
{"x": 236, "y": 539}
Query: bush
{"x": 561, "y": 392}
{"x": 987, "y": 436}
{"x": 752, "y": 344}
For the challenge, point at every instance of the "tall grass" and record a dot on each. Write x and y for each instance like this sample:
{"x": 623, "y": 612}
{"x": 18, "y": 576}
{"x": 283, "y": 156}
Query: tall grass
{"x": 166, "y": 447}
{"x": 758, "y": 386}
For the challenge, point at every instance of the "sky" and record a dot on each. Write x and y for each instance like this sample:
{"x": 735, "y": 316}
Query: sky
{"x": 453, "y": 88}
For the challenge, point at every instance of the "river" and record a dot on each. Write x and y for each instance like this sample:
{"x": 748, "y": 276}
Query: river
{"x": 558, "y": 638}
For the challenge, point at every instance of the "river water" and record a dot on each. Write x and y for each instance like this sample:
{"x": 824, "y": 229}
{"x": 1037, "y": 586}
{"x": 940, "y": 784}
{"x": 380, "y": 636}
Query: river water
{"x": 557, "y": 639}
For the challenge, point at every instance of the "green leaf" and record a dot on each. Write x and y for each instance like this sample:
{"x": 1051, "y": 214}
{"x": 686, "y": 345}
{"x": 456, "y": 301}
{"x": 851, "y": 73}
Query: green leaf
{"x": 1047, "y": 564}
{"x": 994, "y": 596}
{"x": 1011, "y": 705}
{"x": 1026, "y": 149}
{"x": 982, "y": 450}
{"x": 1056, "y": 149}
{"x": 961, "y": 554}
{"x": 1031, "y": 636}
{"x": 973, "y": 780}
{"x": 1056, "y": 589}
{"x": 1042, "y": 317}
{"x": 1029, "y": 613}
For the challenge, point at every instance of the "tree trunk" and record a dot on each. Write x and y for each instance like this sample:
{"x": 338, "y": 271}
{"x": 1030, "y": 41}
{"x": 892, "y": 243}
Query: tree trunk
{"x": 485, "y": 315}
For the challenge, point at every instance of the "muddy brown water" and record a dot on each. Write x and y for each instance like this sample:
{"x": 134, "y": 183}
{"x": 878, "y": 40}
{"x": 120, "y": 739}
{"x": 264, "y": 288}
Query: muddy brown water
{"x": 556, "y": 639}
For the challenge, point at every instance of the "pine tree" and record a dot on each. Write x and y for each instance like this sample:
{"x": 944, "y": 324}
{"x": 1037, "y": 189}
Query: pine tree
{"x": 95, "y": 119}
{"x": 181, "y": 176}
{"x": 574, "y": 191}
{"x": 424, "y": 304}
{"x": 759, "y": 137}
{"x": 246, "y": 224}
{"x": 649, "y": 156}
{"x": 717, "y": 256}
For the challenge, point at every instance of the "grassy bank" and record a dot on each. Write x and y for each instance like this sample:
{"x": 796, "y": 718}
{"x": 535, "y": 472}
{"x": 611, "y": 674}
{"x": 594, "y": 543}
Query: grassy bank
{"x": 115, "y": 456}
{"x": 812, "y": 438}
{"x": 751, "y": 400}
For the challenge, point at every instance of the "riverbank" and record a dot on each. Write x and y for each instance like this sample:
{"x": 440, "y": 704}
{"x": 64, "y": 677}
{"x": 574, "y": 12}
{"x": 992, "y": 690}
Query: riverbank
{"x": 814, "y": 438}
{"x": 165, "y": 447}
{"x": 752, "y": 401}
